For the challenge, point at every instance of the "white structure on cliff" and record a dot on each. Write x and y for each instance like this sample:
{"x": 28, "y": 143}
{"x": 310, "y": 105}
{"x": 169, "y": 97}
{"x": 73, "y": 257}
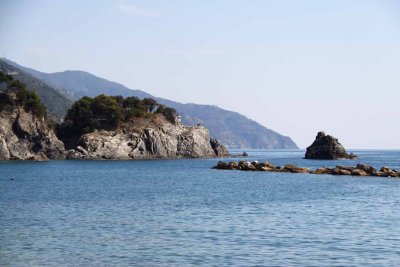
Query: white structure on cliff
{"x": 12, "y": 73}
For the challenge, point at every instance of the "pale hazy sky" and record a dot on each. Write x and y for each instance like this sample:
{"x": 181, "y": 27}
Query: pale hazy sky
{"x": 296, "y": 67}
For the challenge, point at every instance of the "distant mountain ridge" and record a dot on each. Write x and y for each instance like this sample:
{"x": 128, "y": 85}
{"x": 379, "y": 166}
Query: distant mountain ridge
{"x": 77, "y": 83}
{"x": 231, "y": 128}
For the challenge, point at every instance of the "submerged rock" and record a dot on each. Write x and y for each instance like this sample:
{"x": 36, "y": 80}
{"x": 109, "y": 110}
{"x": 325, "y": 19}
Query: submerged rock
{"x": 327, "y": 147}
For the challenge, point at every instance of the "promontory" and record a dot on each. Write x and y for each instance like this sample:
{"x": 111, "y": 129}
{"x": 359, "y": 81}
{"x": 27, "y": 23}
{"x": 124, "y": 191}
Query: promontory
{"x": 103, "y": 127}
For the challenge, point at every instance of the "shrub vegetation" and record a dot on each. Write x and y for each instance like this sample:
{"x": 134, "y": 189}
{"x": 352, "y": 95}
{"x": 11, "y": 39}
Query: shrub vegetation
{"x": 108, "y": 112}
{"x": 16, "y": 94}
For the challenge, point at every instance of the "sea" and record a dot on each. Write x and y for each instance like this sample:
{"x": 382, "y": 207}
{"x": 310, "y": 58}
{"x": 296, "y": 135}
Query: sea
{"x": 184, "y": 213}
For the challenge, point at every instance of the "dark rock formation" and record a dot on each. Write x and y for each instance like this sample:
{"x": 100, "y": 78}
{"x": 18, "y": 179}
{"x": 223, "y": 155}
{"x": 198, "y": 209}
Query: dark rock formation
{"x": 327, "y": 147}
{"x": 359, "y": 170}
{"x": 219, "y": 149}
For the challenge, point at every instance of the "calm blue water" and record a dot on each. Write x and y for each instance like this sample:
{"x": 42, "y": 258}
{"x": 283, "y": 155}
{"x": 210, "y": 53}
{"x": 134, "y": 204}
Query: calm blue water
{"x": 182, "y": 213}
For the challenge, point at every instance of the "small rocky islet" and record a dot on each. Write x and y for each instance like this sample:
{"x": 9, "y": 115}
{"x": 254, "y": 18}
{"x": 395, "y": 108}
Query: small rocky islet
{"x": 325, "y": 147}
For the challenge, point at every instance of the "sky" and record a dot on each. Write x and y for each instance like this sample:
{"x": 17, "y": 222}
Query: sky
{"x": 296, "y": 67}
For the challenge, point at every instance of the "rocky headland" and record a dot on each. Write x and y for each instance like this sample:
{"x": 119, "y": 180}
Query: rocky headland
{"x": 113, "y": 127}
{"x": 358, "y": 170}
{"x": 104, "y": 127}
{"x": 327, "y": 147}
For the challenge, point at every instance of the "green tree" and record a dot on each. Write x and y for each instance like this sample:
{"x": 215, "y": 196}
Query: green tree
{"x": 119, "y": 99}
{"x": 34, "y": 104}
{"x": 160, "y": 108}
{"x": 133, "y": 102}
{"x": 5, "y": 77}
{"x": 80, "y": 118}
{"x": 150, "y": 104}
{"x": 107, "y": 112}
{"x": 29, "y": 100}
{"x": 170, "y": 114}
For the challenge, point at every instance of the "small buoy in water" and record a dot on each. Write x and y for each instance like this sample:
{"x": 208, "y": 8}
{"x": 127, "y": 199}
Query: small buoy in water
{"x": 12, "y": 179}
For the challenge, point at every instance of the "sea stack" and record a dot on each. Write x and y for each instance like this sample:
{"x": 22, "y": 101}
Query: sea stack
{"x": 327, "y": 147}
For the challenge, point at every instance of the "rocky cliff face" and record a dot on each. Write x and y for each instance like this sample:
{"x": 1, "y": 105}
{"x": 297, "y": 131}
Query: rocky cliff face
{"x": 166, "y": 141}
{"x": 327, "y": 147}
{"x": 23, "y": 136}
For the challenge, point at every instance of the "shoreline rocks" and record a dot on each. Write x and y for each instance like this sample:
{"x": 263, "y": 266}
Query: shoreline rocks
{"x": 327, "y": 147}
{"x": 23, "y": 136}
{"x": 164, "y": 142}
{"x": 358, "y": 170}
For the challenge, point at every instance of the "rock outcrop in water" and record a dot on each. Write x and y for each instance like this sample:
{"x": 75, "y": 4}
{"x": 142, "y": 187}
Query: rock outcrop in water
{"x": 219, "y": 149}
{"x": 165, "y": 141}
{"x": 23, "y": 136}
{"x": 359, "y": 170}
{"x": 327, "y": 147}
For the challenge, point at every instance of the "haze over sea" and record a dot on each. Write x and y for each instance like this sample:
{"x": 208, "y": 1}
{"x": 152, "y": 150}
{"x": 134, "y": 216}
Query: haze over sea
{"x": 183, "y": 213}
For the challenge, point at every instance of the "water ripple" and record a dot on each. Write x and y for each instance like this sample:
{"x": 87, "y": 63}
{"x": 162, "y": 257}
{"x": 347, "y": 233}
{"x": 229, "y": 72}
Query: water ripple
{"x": 182, "y": 213}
